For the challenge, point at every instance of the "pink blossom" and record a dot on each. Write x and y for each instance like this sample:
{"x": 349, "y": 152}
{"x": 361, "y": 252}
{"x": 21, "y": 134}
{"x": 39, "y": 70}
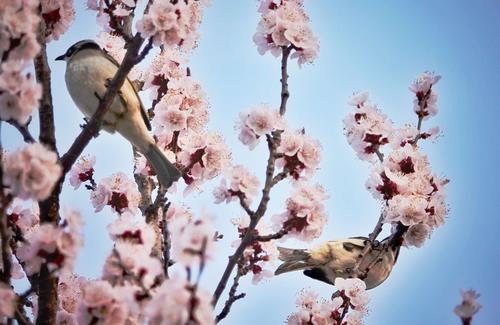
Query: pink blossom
{"x": 204, "y": 154}
{"x": 241, "y": 183}
{"x": 117, "y": 191}
{"x": 366, "y": 129}
{"x": 426, "y": 97}
{"x": 300, "y": 153}
{"x": 172, "y": 24}
{"x": 133, "y": 230}
{"x": 82, "y": 171}
{"x": 257, "y": 122}
{"x": 285, "y": 24}
{"x": 259, "y": 257}
{"x": 58, "y": 15}
{"x": 70, "y": 292}
{"x": 31, "y": 172}
{"x": 57, "y": 246}
{"x": 23, "y": 218}
{"x": 129, "y": 262}
{"x": 19, "y": 94}
{"x": 192, "y": 241}
{"x": 417, "y": 234}
{"x": 305, "y": 216}
{"x": 469, "y": 306}
{"x": 167, "y": 308}
{"x": 354, "y": 289}
{"x": 311, "y": 310}
{"x": 101, "y": 304}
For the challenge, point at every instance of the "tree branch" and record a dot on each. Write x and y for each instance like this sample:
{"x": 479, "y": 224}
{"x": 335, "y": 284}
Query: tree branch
{"x": 273, "y": 142}
{"x": 232, "y": 297}
{"x": 23, "y": 129}
{"x": 49, "y": 208}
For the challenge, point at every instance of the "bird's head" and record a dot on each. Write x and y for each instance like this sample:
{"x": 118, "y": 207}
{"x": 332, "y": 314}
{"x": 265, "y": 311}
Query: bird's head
{"x": 77, "y": 47}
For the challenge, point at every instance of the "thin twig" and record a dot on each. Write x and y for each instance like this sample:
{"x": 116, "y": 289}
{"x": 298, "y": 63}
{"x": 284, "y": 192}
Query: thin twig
{"x": 274, "y": 236}
{"x": 285, "y": 94}
{"x": 232, "y": 296}
{"x": 273, "y": 143}
{"x": 167, "y": 241}
{"x": 23, "y": 129}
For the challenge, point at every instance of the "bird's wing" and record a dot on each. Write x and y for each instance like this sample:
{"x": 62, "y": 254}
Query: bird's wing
{"x": 350, "y": 246}
{"x": 144, "y": 114}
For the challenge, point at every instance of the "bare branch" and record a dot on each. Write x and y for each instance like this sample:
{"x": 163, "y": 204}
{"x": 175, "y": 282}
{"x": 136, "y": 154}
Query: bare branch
{"x": 23, "y": 129}
{"x": 232, "y": 296}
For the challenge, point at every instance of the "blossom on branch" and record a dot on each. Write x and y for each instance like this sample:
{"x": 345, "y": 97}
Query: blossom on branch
{"x": 184, "y": 106}
{"x": 469, "y": 306}
{"x": 57, "y": 15}
{"x": 257, "y": 122}
{"x": 314, "y": 311}
{"x": 367, "y": 128}
{"x": 31, "y": 172}
{"x": 305, "y": 216}
{"x": 82, "y": 171}
{"x": 284, "y": 23}
{"x": 426, "y": 97}
{"x": 55, "y": 245}
{"x": 192, "y": 240}
{"x": 259, "y": 257}
{"x": 117, "y": 191}
{"x": 299, "y": 153}
{"x": 176, "y": 301}
{"x": 242, "y": 184}
{"x": 173, "y": 24}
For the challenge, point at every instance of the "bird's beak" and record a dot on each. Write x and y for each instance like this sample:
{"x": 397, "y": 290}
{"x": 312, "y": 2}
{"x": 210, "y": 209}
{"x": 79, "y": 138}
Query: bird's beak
{"x": 60, "y": 58}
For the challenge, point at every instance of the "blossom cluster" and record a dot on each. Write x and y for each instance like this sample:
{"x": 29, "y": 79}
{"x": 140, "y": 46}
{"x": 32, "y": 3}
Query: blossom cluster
{"x": 55, "y": 245}
{"x": 19, "y": 94}
{"x": 31, "y": 172}
{"x": 172, "y": 24}
{"x": 401, "y": 176}
{"x": 469, "y": 306}
{"x": 259, "y": 258}
{"x": 367, "y": 128}
{"x": 258, "y": 122}
{"x": 117, "y": 191}
{"x": 300, "y": 153}
{"x": 414, "y": 196}
{"x": 305, "y": 214}
{"x": 57, "y": 16}
{"x": 183, "y": 107}
{"x": 284, "y": 23}
{"x": 82, "y": 171}
{"x": 348, "y": 308}
{"x": 241, "y": 184}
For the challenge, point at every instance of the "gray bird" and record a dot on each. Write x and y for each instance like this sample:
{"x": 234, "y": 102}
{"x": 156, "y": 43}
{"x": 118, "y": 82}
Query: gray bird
{"x": 88, "y": 71}
{"x": 337, "y": 258}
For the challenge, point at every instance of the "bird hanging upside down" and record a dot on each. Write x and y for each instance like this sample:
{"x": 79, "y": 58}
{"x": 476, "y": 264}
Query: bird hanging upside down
{"x": 337, "y": 258}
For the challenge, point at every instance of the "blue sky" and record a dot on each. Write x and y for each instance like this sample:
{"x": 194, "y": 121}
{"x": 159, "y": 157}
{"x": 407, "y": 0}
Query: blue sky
{"x": 365, "y": 45}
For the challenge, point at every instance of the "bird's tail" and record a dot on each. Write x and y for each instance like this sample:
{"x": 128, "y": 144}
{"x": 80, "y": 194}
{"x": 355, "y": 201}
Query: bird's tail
{"x": 294, "y": 259}
{"x": 164, "y": 169}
